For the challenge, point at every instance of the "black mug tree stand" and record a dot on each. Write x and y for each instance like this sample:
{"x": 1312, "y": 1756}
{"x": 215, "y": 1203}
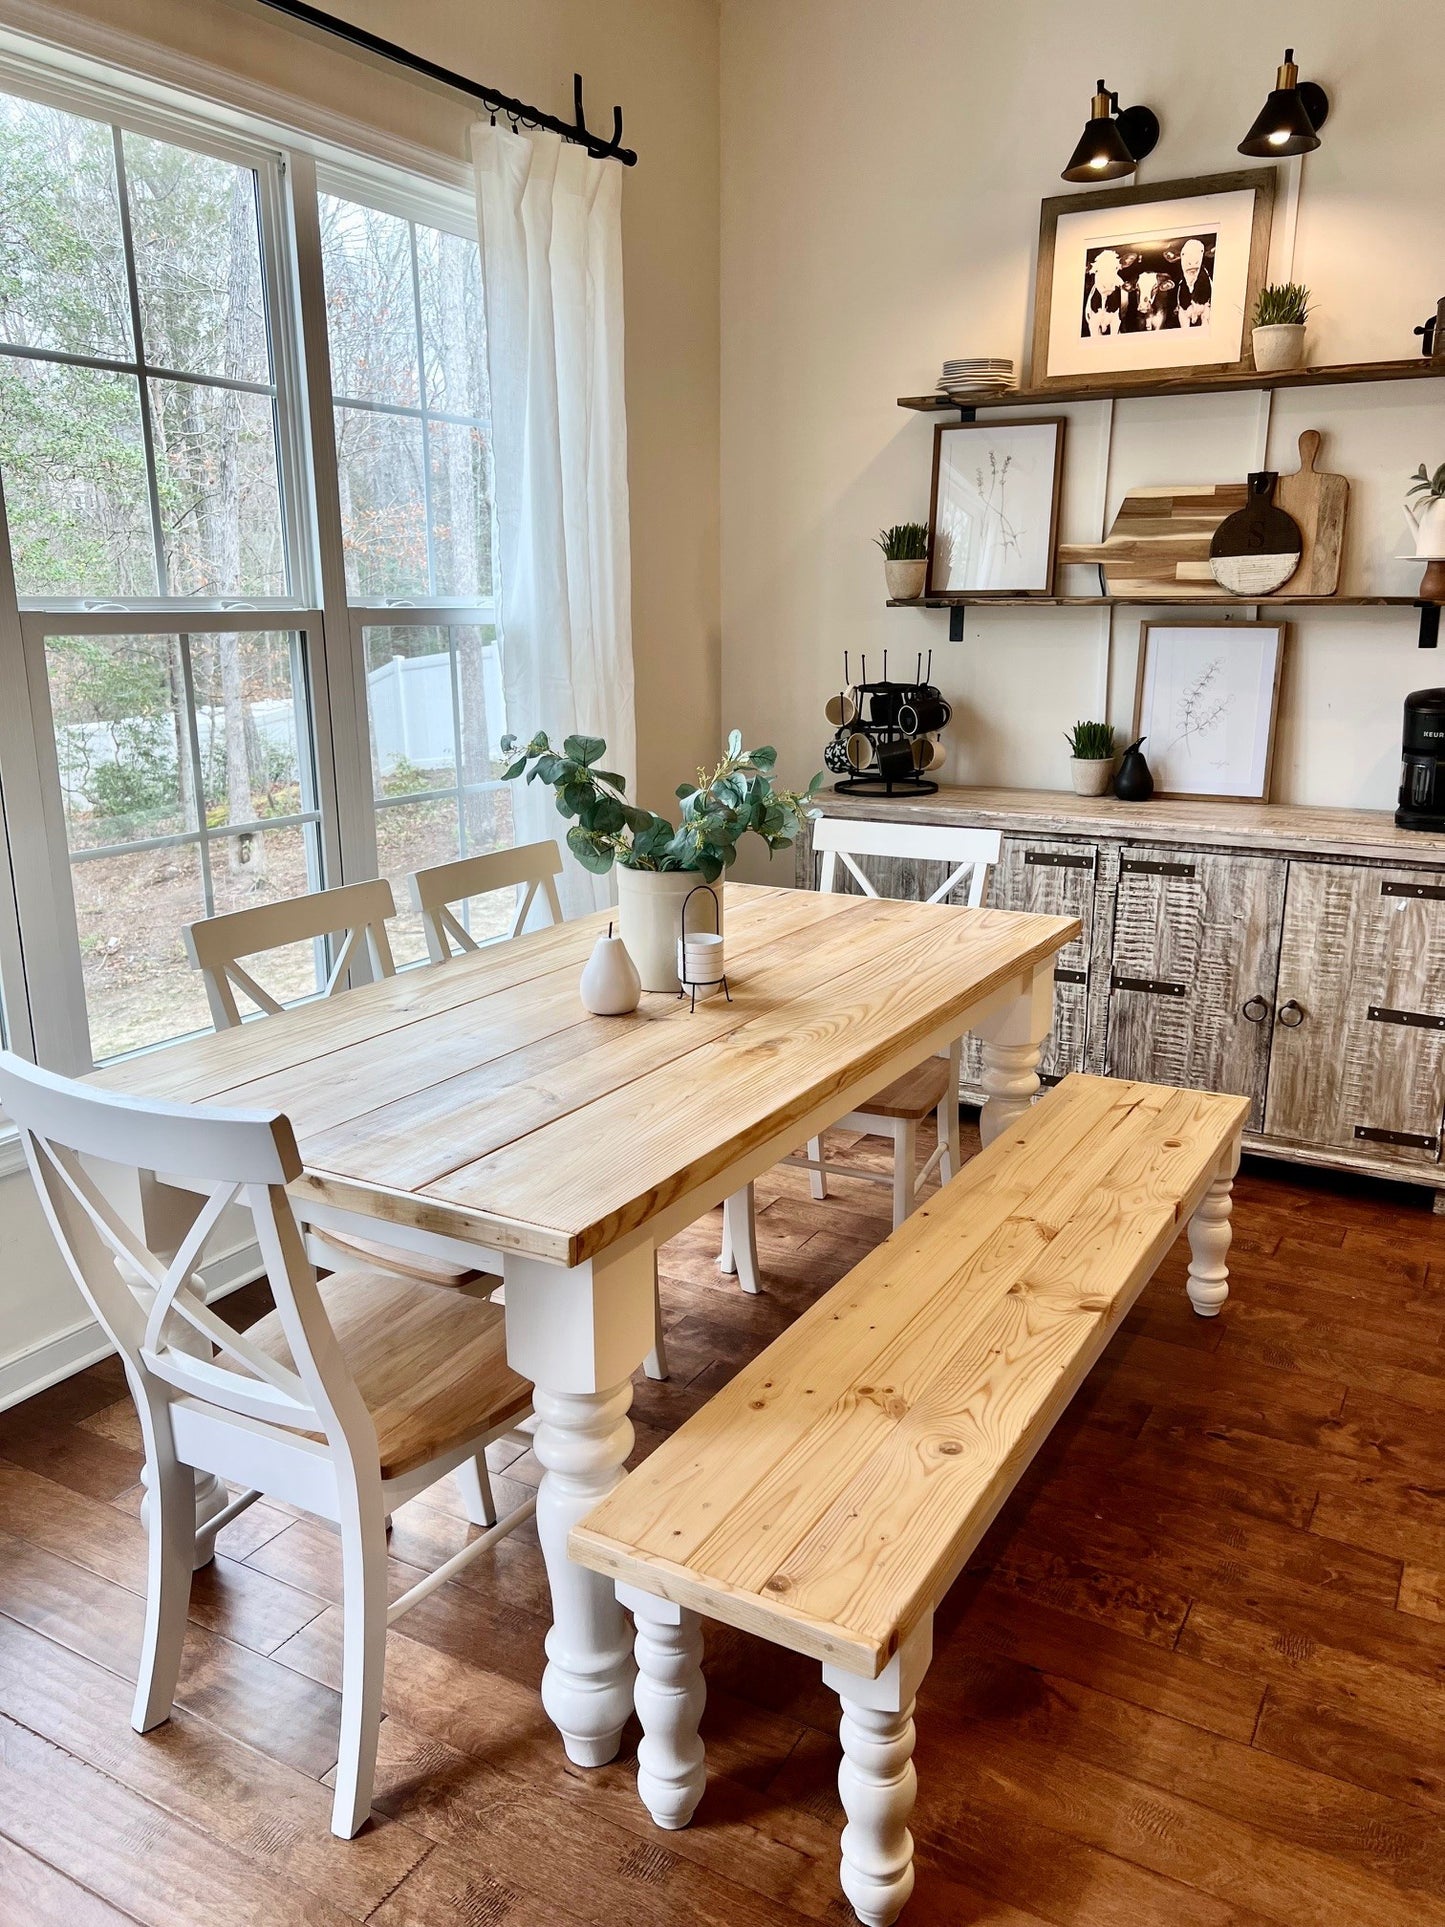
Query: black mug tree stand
{"x": 878, "y": 747}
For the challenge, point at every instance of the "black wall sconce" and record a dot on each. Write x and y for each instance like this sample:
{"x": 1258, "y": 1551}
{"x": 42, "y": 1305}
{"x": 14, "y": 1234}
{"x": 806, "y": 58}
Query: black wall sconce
{"x": 1290, "y": 120}
{"x": 1114, "y": 141}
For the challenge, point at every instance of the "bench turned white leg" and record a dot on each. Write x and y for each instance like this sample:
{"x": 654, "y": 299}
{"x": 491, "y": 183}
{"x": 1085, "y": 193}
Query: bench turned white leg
{"x": 669, "y": 1694}
{"x": 876, "y": 1780}
{"x": 1013, "y": 1041}
{"x": 1209, "y": 1239}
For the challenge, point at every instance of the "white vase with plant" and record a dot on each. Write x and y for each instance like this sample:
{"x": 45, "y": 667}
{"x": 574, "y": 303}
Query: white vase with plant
{"x": 905, "y": 559}
{"x": 660, "y": 863}
{"x": 1091, "y": 757}
{"x": 1278, "y": 334}
{"x": 1426, "y": 517}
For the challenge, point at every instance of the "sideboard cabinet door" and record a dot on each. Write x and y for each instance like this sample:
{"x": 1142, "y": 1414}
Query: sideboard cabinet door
{"x": 1191, "y": 990}
{"x": 1359, "y": 1043}
{"x": 1048, "y": 878}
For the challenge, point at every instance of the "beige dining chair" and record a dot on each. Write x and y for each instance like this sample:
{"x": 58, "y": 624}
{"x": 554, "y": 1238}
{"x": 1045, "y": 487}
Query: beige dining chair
{"x": 353, "y": 1395}
{"x": 434, "y": 891}
{"x": 536, "y": 866}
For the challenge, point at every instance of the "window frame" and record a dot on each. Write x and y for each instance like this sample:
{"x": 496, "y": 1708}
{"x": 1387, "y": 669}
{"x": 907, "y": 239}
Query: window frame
{"x": 39, "y": 941}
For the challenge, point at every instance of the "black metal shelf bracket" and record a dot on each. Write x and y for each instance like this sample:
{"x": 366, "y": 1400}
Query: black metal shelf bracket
{"x": 1429, "y": 625}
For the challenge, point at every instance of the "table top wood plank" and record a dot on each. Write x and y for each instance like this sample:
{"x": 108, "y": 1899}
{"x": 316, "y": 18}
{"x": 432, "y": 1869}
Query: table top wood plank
{"x": 863, "y": 1008}
{"x": 836, "y": 1486}
{"x": 470, "y": 1099}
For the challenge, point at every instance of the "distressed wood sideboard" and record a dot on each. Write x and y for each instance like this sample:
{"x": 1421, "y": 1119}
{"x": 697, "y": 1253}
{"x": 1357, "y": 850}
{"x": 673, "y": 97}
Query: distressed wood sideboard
{"x": 1294, "y": 956}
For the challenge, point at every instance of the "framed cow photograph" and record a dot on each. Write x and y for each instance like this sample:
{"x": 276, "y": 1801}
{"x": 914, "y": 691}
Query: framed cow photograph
{"x": 1150, "y": 280}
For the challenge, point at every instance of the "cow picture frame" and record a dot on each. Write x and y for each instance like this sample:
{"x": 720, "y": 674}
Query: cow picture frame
{"x": 993, "y": 515}
{"x": 1150, "y": 282}
{"x": 1206, "y": 700}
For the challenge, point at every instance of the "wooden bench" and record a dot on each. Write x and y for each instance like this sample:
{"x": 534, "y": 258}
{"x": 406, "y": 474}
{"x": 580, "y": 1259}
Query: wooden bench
{"x": 828, "y": 1497}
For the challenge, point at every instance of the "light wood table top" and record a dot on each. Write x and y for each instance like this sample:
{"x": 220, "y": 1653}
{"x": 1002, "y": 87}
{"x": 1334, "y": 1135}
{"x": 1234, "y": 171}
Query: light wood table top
{"x": 478, "y": 1100}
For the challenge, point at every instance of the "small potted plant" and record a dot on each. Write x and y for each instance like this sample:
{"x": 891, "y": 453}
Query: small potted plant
{"x": 1426, "y": 517}
{"x": 1278, "y": 334}
{"x": 905, "y": 559}
{"x": 1091, "y": 757}
{"x": 659, "y": 863}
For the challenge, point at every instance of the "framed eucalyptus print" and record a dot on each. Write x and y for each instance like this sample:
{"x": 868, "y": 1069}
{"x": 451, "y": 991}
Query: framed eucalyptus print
{"x": 1134, "y": 281}
{"x": 1206, "y": 698}
{"x": 994, "y": 512}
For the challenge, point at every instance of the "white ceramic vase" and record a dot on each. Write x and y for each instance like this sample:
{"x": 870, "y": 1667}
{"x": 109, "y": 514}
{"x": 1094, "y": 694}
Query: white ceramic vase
{"x": 610, "y": 984}
{"x": 1427, "y": 527}
{"x": 1279, "y": 346}
{"x": 1091, "y": 775}
{"x": 905, "y": 579}
{"x": 649, "y": 912}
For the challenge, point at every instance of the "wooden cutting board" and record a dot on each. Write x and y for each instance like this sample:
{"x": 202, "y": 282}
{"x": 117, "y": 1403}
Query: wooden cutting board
{"x": 1318, "y": 502}
{"x": 1158, "y": 545}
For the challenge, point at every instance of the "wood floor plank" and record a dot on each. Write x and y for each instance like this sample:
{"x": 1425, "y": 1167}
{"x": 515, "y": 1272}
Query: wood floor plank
{"x": 269, "y": 1814}
{"x": 33, "y": 1891}
{"x": 1422, "y": 1593}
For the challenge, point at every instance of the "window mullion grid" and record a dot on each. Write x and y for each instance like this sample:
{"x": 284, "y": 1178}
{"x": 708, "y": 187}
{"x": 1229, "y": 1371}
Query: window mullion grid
{"x": 147, "y": 427}
{"x": 198, "y": 774}
{"x": 421, "y": 395}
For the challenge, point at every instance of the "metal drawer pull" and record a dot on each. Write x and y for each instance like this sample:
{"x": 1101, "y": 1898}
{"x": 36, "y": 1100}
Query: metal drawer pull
{"x": 1290, "y": 1022}
{"x": 1430, "y": 892}
{"x": 1411, "y": 1140}
{"x": 1052, "y": 860}
{"x": 1142, "y": 867}
{"x": 1254, "y": 1010}
{"x": 1416, "y": 1019}
{"x": 1151, "y": 986}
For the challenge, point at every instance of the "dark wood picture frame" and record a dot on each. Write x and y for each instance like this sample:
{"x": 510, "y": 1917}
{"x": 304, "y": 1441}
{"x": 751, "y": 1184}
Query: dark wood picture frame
{"x": 1263, "y": 181}
{"x": 998, "y": 426}
{"x": 1183, "y": 620}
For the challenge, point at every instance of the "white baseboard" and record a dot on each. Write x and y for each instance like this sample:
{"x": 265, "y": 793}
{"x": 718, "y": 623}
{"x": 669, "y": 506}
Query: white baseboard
{"x": 36, "y": 1367}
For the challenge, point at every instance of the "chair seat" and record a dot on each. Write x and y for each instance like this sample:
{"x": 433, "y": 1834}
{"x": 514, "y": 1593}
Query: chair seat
{"x": 914, "y": 1096}
{"x": 430, "y": 1364}
{"x": 407, "y": 1264}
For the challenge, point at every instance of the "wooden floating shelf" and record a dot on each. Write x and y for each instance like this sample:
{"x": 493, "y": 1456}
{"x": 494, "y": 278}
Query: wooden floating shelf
{"x": 1220, "y": 381}
{"x": 964, "y": 600}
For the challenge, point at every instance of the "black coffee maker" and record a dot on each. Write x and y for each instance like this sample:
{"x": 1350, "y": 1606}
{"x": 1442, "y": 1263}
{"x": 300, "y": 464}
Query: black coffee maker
{"x": 1422, "y": 772}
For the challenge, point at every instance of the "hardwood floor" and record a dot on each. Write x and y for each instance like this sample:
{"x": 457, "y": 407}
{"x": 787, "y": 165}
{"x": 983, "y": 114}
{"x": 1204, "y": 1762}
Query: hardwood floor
{"x": 1194, "y": 1677}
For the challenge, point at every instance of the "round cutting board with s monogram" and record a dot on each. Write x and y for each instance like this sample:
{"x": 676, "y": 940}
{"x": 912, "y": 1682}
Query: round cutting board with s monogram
{"x": 1257, "y": 549}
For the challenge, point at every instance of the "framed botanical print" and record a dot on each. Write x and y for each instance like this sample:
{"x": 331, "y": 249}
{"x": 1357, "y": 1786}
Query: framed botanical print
{"x": 994, "y": 512}
{"x": 1134, "y": 281}
{"x": 1205, "y": 703}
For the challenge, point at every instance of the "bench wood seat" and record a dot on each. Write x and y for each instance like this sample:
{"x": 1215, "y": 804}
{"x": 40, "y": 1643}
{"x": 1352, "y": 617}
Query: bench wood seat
{"x": 827, "y": 1498}
{"x": 914, "y": 1096}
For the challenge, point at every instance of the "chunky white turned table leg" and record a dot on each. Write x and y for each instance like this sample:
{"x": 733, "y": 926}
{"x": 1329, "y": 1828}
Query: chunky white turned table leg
{"x": 669, "y": 1695}
{"x": 1013, "y": 1040}
{"x": 1209, "y": 1238}
{"x": 579, "y": 1334}
{"x": 876, "y": 1780}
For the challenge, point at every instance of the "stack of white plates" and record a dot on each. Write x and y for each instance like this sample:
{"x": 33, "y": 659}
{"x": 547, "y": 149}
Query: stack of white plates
{"x": 976, "y": 374}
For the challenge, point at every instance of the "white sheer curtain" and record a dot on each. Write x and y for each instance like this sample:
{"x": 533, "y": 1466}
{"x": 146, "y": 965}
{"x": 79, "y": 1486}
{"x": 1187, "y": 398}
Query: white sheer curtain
{"x": 550, "y": 219}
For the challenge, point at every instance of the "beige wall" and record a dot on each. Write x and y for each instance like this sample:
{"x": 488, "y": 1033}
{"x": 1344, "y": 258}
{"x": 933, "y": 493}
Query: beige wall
{"x": 658, "y": 58}
{"x": 881, "y": 186}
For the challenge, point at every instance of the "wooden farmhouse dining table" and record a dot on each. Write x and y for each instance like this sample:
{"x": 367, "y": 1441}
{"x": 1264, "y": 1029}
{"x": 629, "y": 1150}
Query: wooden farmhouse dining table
{"x": 477, "y": 1111}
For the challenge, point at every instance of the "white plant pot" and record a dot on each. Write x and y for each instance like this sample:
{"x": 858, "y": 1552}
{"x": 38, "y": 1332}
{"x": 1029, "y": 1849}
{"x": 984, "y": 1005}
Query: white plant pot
{"x": 1279, "y": 346}
{"x": 905, "y": 579}
{"x": 649, "y": 914}
{"x": 1091, "y": 775}
{"x": 1427, "y": 528}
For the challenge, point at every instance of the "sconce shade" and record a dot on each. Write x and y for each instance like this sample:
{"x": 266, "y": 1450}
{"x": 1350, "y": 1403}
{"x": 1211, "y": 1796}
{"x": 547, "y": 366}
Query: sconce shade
{"x": 1290, "y": 120}
{"x": 1113, "y": 142}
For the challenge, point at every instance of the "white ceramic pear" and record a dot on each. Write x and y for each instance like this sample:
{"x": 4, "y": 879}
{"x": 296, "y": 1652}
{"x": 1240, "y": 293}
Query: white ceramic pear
{"x": 610, "y": 985}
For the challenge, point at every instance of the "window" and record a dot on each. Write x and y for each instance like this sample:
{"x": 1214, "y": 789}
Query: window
{"x": 407, "y": 333}
{"x": 200, "y": 726}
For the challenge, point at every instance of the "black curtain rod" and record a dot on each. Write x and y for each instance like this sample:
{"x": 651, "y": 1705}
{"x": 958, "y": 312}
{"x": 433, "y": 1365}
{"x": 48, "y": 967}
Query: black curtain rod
{"x": 516, "y": 111}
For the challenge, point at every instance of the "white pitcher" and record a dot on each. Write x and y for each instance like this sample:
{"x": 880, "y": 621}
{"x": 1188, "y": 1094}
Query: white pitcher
{"x": 1427, "y": 528}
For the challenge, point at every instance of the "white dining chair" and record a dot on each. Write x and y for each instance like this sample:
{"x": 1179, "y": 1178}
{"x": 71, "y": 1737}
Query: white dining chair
{"x": 353, "y": 1395}
{"x": 930, "y": 1087}
{"x": 354, "y": 918}
{"x": 434, "y": 891}
{"x": 536, "y": 866}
